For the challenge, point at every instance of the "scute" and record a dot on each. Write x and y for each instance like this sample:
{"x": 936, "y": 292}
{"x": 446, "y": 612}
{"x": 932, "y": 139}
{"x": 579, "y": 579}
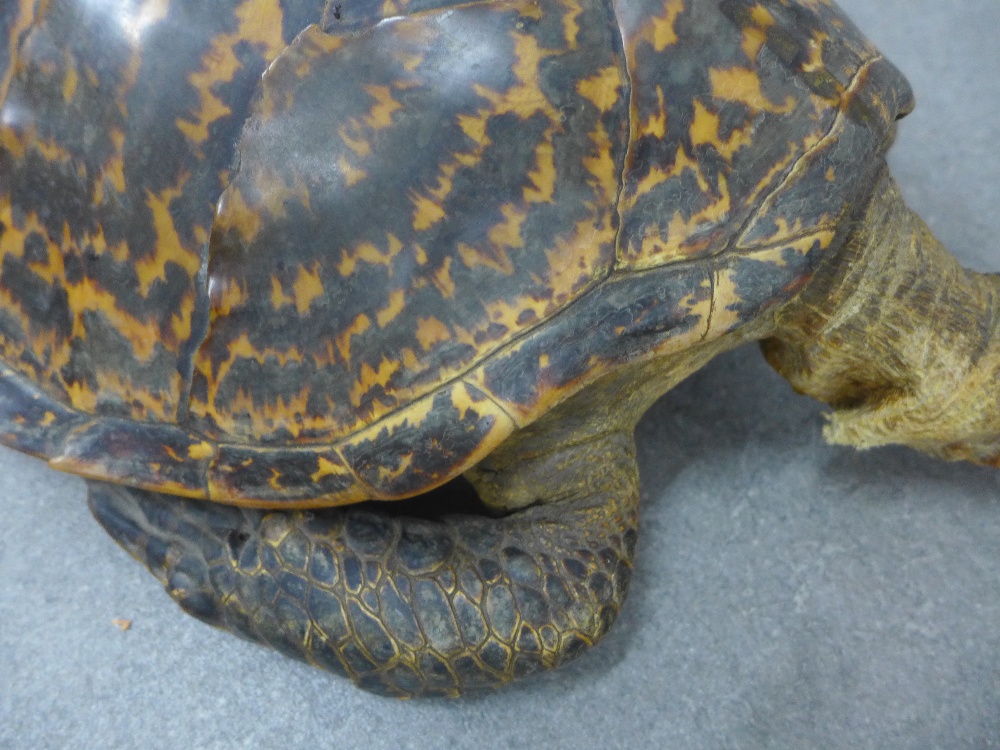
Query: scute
{"x": 728, "y": 97}
{"x": 410, "y": 198}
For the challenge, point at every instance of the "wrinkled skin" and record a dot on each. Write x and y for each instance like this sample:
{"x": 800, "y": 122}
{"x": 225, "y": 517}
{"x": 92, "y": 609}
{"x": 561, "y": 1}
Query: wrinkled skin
{"x": 620, "y": 192}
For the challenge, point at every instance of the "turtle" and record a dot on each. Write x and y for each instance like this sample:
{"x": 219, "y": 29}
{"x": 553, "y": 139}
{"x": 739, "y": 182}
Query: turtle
{"x": 266, "y": 265}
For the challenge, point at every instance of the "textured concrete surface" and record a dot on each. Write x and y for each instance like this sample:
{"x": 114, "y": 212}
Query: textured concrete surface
{"x": 787, "y": 595}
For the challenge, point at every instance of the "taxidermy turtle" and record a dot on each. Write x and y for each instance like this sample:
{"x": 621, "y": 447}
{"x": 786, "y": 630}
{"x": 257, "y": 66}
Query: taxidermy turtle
{"x": 264, "y": 260}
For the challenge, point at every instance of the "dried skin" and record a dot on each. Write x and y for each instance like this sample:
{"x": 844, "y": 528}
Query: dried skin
{"x": 899, "y": 339}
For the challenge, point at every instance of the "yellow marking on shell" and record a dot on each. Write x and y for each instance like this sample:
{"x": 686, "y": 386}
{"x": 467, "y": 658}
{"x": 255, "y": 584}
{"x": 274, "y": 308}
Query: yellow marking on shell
{"x": 71, "y": 80}
{"x": 387, "y": 474}
{"x": 380, "y": 115}
{"x": 572, "y": 263}
{"x": 508, "y": 233}
{"x": 263, "y": 417}
{"x": 656, "y": 124}
{"x": 235, "y": 214}
{"x": 278, "y": 297}
{"x": 327, "y": 468}
{"x": 799, "y": 157}
{"x": 755, "y": 37}
{"x": 200, "y": 451}
{"x": 10, "y": 143}
{"x": 661, "y": 31}
{"x": 88, "y": 296}
{"x": 45, "y": 344}
{"x": 543, "y": 176}
{"x": 426, "y": 212}
{"x": 571, "y": 29}
{"x": 275, "y": 480}
{"x": 744, "y": 85}
{"x": 48, "y": 418}
{"x": 352, "y": 174}
{"x": 658, "y": 248}
{"x": 704, "y": 126}
{"x": 287, "y": 412}
{"x": 372, "y": 377}
{"x": 409, "y": 58}
{"x": 705, "y": 131}
{"x": 369, "y": 253}
{"x": 431, "y": 332}
{"x": 474, "y": 127}
{"x": 242, "y": 348}
{"x": 258, "y": 23}
{"x": 713, "y": 213}
{"x": 50, "y": 150}
{"x": 442, "y": 279}
{"x": 602, "y": 89}
{"x": 395, "y": 306}
{"x": 151, "y": 404}
{"x": 358, "y": 145}
{"x": 524, "y": 99}
{"x": 463, "y": 402}
{"x": 357, "y": 327}
{"x": 168, "y": 248}
{"x": 473, "y": 257}
{"x": 308, "y": 287}
{"x": 814, "y": 61}
{"x": 114, "y": 167}
{"x": 225, "y": 294}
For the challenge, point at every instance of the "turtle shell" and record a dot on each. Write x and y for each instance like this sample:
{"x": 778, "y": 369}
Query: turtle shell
{"x": 292, "y": 252}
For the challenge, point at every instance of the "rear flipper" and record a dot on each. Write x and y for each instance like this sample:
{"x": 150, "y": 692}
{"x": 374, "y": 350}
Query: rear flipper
{"x": 403, "y": 607}
{"x": 899, "y": 339}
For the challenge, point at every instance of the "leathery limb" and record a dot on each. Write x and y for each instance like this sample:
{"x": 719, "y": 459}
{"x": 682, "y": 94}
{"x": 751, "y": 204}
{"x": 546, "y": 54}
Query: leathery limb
{"x": 899, "y": 338}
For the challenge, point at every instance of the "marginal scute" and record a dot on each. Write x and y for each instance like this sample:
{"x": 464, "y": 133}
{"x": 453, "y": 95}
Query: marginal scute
{"x": 427, "y": 443}
{"x": 30, "y": 419}
{"x": 633, "y": 317}
{"x": 157, "y": 456}
{"x": 746, "y": 285}
{"x": 276, "y": 476}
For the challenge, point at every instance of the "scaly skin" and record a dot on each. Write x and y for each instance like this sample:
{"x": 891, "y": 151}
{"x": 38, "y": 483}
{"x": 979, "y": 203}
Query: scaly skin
{"x": 403, "y": 607}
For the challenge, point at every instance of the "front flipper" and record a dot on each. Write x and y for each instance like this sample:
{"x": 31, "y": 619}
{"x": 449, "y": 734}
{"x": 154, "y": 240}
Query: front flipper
{"x": 402, "y": 606}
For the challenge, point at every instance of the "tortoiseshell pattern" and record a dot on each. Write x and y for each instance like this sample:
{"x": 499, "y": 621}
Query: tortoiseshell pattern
{"x": 302, "y": 253}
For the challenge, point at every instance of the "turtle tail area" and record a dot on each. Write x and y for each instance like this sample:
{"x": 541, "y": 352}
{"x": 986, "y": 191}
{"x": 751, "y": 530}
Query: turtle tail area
{"x": 402, "y": 606}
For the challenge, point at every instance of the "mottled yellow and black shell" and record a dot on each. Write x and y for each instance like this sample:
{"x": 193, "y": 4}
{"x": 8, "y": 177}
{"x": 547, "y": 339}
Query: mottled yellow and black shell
{"x": 306, "y": 252}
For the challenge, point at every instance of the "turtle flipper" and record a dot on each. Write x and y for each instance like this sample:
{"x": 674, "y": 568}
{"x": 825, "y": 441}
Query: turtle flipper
{"x": 403, "y": 607}
{"x": 900, "y": 339}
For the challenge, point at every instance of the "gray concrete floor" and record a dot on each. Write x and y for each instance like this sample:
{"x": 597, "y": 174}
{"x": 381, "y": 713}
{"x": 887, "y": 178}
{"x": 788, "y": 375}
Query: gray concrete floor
{"x": 787, "y": 595}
